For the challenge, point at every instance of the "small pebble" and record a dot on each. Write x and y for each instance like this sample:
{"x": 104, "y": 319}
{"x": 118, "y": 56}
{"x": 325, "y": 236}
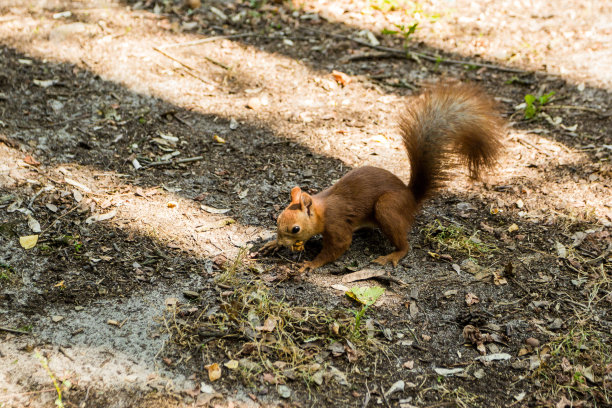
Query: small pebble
{"x": 533, "y": 342}
{"x": 284, "y": 391}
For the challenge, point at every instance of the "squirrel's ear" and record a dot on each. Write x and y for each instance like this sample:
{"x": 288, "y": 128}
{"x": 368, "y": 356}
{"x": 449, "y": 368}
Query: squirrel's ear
{"x": 296, "y": 193}
{"x": 306, "y": 202}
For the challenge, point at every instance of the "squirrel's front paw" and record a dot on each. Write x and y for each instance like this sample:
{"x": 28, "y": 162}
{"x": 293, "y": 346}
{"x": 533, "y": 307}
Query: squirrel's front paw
{"x": 269, "y": 247}
{"x": 306, "y": 266}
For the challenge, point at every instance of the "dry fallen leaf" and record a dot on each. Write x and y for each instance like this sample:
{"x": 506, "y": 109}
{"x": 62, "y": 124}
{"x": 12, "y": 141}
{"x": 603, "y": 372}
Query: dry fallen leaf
{"x": 232, "y": 364}
{"x": 31, "y": 161}
{"x": 101, "y": 217}
{"x": 409, "y": 364}
{"x": 77, "y": 184}
{"x": 473, "y": 335}
{"x": 214, "y": 371}
{"x": 341, "y": 78}
{"x": 269, "y": 325}
{"x": 214, "y": 210}
{"x": 78, "y": 197}
{"x": 498, "y": 279}
{"x": 33, "y": 224}
{"x": 28, "y": 241}
{"x": 269, "y": 378}
{"x": 362, "y": 275}
{"x": 471, "y": 299}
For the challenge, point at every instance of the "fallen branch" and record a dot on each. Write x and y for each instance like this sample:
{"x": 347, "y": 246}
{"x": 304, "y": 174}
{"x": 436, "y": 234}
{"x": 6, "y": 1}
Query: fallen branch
{"x": 417, "y": 55}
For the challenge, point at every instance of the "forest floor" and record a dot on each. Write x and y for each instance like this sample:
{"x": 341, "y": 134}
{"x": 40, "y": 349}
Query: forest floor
{"x": 147, "y": 147}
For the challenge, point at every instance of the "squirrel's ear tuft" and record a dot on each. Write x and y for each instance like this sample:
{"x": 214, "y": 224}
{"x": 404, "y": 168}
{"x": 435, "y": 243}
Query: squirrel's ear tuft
{"x": 296, "y": 194}
{"x": 306, "y": 202}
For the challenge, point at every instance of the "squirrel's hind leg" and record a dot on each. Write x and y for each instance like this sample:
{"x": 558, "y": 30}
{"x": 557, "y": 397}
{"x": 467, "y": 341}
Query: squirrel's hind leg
{"x": 394, "y": 212}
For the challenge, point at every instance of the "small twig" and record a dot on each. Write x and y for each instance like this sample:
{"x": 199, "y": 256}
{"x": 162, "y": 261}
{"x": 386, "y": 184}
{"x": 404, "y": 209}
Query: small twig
{"x": 14, "y": 331}
{"x": 520, "y": 285}
{"x": 57, "y": 219}
{"x": 205, "y": 40}
{"x": 179, "y": 161}
{"x": 63, "y": 122}
{"x": 38, "y": 193}
{"x": 382, "y": 392}
{"x": 416, "y": 55}
{"x": 529, "y": 144}
{"x": 65, "y": 353}
{"x": 574, "y": 107}
{"x": 365, "y": 57}
{"x": 366, "y": 400}
{"x": 190, "y": 70}
{"x": 217, "y": 63}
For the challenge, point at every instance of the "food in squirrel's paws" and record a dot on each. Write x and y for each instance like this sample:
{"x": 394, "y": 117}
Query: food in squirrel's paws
{"x": 441, "y": 129}
{"x": 298, "y": 246}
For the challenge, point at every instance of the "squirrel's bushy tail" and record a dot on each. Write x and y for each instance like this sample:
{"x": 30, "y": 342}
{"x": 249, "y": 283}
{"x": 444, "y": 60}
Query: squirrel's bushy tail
{"x": 445, "y": 127}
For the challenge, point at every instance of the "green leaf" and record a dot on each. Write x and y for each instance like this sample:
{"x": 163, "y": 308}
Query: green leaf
{"x": 365, "y": 295}
{"x": 530, "y": 111}
{"x": 411, "y": 29}
{"x": 530, "y": 99}
{"x": 386, "y": 31}
{"x": 545, "y": 98}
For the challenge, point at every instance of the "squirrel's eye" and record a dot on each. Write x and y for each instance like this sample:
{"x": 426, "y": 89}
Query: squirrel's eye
{"x": 295, "y": 229}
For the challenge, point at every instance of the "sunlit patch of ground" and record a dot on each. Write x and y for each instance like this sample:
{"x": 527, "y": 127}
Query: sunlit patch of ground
{"x": 538, "y": 35}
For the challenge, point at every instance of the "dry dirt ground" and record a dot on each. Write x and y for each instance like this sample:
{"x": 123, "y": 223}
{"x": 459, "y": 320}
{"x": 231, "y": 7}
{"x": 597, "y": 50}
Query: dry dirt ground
{"x": 149, "y": 146}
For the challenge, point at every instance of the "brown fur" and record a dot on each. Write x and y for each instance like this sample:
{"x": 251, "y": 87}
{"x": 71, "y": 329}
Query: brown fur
{"x": 442, "y": 129}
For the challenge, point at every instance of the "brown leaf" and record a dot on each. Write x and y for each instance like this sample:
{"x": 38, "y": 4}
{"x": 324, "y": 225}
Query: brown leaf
{"x": 498, "y": 279}
{"x": 362, "y": 275}
{"x": 471, "y": 299}
{"x": 473, "y": 335}
{"x": 31, "y": 161}
{"x": 269, "y": 378}
{"x": 200, "y": 197}
{"x": 341, "y": 78}
{"x": 354, "y": 354}
{"x": 214, "y": 371}
{"x": 269, "y": 325}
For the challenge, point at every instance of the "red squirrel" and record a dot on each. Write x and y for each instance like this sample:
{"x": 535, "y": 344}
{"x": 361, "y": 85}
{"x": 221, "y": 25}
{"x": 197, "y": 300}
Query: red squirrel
{"x": 443, "y": 128}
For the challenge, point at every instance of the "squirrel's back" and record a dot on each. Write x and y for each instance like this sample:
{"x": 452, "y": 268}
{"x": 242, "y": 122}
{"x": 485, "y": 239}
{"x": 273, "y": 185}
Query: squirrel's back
{"x": 445, "y": 127}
